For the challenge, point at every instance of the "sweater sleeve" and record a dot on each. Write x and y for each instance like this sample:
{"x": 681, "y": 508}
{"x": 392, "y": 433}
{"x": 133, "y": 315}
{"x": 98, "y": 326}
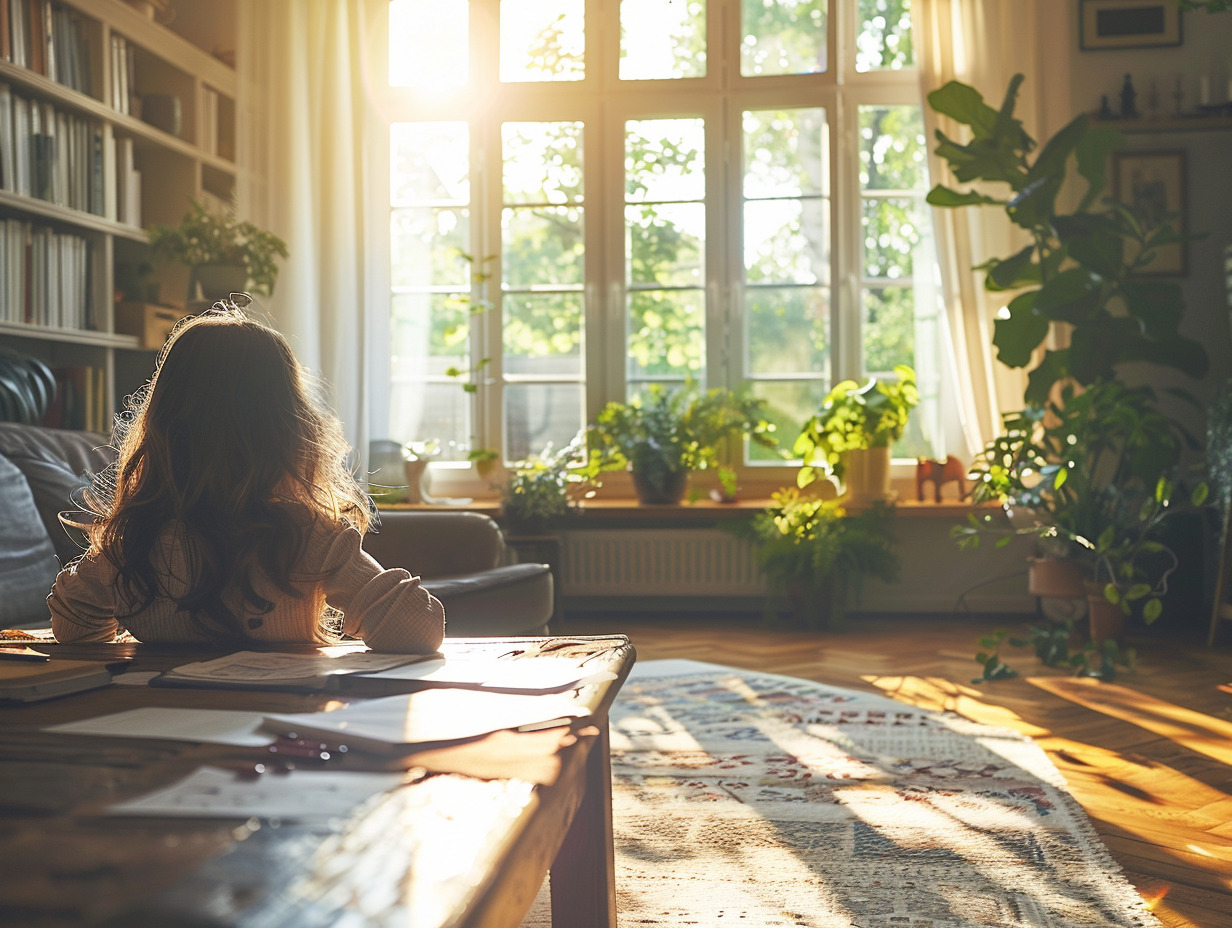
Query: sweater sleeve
{"x": 388, "y": 609}
{"x": 82, "y": 602}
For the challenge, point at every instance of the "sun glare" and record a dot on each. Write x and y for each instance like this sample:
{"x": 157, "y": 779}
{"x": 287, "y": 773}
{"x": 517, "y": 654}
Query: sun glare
{"x": 428, "y": 44}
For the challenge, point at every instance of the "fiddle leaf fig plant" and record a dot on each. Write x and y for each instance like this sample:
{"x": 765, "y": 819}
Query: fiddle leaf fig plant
{"x": 1081, "y": 267}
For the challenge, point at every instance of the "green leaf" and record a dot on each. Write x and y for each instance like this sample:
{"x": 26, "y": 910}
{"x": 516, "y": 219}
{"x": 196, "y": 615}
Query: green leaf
{"x": 1013, "y": 272}
{"x": 1069, "y": 297}
{"x": 1035, "y": 204}
{"x": 1093, "y": 153}
{"x": 1138, "y": 591}
{"x": 1017, "y": 336}
{"x": 1158, "y": 304}
{"x": 1003, "y": 541}
{"x": 943, "y": 196}
{"x": 1093, "y": 241}
{"x": 1200, "y": 494}
{"x": 981, "y": 657}
{"x": 1056, "y": 151}
{"x": 966, "y": 105}
{"x": 1112, "y": 594}
{"x": 1054, "y": 367}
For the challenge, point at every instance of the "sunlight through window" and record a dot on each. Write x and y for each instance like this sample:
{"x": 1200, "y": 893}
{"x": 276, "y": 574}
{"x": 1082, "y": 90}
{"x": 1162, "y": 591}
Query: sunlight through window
{"x": 428, "y": 44}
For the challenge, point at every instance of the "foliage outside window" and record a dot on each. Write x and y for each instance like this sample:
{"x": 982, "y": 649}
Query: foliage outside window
{"x": 659, "y": 211}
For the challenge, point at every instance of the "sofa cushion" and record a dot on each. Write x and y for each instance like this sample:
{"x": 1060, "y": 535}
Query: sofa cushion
{"x": 512, "y": 600}
{"x": 27, "y": 559}
{"x": 56, "y": 464}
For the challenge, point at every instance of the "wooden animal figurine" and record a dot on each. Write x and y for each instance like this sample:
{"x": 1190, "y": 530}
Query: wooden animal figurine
{"x": 940, "y": 473}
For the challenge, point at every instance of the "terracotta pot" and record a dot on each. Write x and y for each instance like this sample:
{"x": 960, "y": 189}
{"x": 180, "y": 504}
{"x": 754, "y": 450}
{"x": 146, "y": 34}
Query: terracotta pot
{"x": 866, "y": 475}
{"x": 668, "y": 491}
{"x": 1107, "y": 619}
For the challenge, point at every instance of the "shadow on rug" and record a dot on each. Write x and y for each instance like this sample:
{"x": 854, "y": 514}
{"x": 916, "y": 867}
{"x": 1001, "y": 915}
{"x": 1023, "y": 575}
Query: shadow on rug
{"x": 758, "y": 800}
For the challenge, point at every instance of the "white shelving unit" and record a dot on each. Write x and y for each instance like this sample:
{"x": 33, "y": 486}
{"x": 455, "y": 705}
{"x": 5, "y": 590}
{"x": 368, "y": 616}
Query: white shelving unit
{"x": 71, "y": 190}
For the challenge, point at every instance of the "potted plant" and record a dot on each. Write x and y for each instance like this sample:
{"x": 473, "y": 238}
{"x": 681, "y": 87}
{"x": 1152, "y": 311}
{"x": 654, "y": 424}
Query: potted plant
{"x": 1092, "y": 475}
{"x": 224, "y": 254}
{"x": 541, "y": 489}
{"x": 815, "y": 555}
{"x": 664, "y": 434}
{"x": 850, "y": 437}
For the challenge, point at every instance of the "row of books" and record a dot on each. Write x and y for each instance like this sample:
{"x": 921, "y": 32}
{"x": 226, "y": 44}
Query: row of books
{"x": 47, "y": 38}
{"x": 50, "y": 154}
{"x": 123, "y": 74}
{"x": 45, "y": 277}
{"x": 80, "y": 401}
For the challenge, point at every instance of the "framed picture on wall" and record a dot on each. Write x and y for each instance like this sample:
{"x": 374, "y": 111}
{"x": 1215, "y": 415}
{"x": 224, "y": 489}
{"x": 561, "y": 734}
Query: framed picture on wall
{"x": 1128, "y": 24}
{"x": 1153, "y": 183}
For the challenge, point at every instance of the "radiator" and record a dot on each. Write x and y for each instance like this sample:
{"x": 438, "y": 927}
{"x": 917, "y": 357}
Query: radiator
{"x": 658, "y": 562}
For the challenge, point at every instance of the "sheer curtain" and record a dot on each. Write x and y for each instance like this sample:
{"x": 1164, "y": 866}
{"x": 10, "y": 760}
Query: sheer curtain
{"x": 302, "y": 121}
{"x": 984, "y": 44}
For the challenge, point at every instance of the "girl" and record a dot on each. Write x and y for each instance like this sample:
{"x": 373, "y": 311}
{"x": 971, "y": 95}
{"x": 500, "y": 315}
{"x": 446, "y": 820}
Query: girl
{"x": 231, "y": 516}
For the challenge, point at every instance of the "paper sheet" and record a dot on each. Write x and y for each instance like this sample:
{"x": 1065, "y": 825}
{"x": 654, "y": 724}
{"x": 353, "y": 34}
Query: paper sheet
{"x": 211, "y": 792}
{"x": 271, "y": 667}
{"x": 215, "y": 726}
{"x": 525, "y": 676}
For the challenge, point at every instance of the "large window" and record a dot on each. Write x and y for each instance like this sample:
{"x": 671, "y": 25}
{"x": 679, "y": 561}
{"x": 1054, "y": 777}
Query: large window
{"x": 590, "y": 197}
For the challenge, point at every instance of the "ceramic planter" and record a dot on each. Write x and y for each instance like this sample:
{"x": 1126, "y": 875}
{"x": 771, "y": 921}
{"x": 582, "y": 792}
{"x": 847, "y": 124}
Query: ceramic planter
{"x": 668, "y": 490}
{"x": 1107, "y": 619}
{"x": 866, "y": 475}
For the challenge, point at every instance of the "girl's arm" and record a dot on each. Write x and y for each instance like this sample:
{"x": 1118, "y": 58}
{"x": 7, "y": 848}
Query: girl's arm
{"x": 82, "y": 601}
{"x": 388, "y": 609}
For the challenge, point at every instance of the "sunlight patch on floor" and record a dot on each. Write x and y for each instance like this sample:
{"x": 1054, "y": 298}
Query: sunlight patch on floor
{"x": 1197, "y": 731}
{"x": 940, "y": 694}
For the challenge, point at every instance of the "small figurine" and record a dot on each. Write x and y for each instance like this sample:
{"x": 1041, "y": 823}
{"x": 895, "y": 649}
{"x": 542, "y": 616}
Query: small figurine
{"x": 939, "y": 473}
{"x": 1128, "y": 95}
{"x": 1105, "y": 111}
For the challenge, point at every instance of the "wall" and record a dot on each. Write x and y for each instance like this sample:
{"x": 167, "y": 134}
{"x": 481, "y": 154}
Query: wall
{"x": 1206, "y": 49}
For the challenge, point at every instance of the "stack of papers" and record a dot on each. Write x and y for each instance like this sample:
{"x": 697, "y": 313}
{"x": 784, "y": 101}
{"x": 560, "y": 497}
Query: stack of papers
{"x": 322, "y": 671}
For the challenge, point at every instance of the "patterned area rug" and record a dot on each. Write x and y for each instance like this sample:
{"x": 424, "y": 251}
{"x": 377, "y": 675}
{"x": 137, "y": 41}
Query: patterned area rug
{"x": 759, "y": 800}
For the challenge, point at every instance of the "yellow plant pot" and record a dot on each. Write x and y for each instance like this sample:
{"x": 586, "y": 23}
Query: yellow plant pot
{"x": 866, "y": 476}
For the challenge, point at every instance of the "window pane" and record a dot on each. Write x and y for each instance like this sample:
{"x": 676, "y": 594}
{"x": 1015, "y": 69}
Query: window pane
{"x": 883, "y": 37}
{"x": 539, "y": 413}
{"x": 782, "y": 37}
{"x": 662, "y": 40}
{"x": 543, "y": 334}
{"x": 428, "y": 335}
{"x": 788, "y": 330}
{"x": 542, "y": 162}
{"x": 785, "y": 153}
{"x": 542, "y": 246}
{"x": 889, "y": 328}
{"x": 893, "y": 152}
{"x": 428, "y": 163}
{"x": 428, "y": 43}
{"x": 786, "y": 241}
{"x": 891, "y": 234}
{"x": 788, "y": 406}
{"x": 666, "y": 335}
{"x": 664, "y": 244}
{"x": 427, "y": 245}
{"x": 665, "y": 160}
{"x": 429, "y": 332}
{"x": 542, "y": 40}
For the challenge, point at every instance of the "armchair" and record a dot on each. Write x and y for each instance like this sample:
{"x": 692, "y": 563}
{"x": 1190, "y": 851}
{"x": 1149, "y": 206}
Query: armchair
{"x": 458, "y": 555}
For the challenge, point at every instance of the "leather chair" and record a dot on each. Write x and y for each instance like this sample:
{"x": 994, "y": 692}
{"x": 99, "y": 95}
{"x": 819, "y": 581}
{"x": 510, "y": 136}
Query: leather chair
{"x": 459, "y": 555}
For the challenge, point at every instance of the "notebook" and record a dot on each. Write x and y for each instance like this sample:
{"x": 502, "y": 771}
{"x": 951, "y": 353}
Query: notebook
{"x": 32, "y": 681}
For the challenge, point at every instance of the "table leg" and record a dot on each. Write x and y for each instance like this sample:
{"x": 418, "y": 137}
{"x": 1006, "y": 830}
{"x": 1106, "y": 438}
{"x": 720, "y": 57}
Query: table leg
{"x": 583, "y": 875}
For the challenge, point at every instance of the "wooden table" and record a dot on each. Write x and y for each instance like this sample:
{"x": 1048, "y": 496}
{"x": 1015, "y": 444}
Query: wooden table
{"x": 443, "y": 849}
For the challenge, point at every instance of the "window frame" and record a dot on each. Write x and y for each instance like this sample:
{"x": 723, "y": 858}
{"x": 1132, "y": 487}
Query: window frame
{"x": 603, "y": 102}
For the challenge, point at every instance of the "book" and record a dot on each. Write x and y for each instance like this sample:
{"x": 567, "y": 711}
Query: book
{"x": 319, "y": 672}
{"x": 431, "y": 718}
{"x": 33, "y": 681}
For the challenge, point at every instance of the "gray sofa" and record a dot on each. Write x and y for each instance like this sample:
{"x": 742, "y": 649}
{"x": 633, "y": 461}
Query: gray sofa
{"x": 459, "y": 555}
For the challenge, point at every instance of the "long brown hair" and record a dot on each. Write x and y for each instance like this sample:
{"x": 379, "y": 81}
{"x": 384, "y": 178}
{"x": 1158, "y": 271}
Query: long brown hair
{"x": 231, "y": 444}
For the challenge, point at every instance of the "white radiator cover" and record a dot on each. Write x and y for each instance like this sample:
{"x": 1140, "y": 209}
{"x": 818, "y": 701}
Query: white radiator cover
{"x": 659, "y": 562}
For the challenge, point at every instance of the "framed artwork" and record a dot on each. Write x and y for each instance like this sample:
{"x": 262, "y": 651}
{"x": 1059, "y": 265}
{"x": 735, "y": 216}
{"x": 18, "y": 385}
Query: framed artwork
{"x": 1128, "y": 24}
{"x": 1153, "y": 183}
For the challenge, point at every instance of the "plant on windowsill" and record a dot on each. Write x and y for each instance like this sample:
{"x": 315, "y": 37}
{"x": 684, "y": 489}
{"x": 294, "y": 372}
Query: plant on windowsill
{"x": 542, "y": 491}
{"x": 484, "y": 459}
{"x": 663, "y": 435}
{"x": 225, "y": 255}
{"x": 815, "y": 555}
{"x": 850, "y": 437}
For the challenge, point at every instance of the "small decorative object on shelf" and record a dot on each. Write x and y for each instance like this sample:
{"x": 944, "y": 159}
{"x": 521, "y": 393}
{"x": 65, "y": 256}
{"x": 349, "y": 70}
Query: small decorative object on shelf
{"x": 939, "y": 473}
{"x": 1129, "y": 96}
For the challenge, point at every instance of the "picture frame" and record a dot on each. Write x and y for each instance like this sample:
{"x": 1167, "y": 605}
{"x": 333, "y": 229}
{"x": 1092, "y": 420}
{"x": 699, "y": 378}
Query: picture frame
{"x": 1111, "y": 24}
{"x": 1153, "y": 183}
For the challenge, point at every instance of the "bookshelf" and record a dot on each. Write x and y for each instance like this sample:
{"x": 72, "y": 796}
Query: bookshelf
{"x": 109, "y": 122}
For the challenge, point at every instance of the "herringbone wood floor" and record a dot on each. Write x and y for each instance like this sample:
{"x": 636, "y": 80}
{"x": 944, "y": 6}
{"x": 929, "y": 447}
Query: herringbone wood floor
{"x": 1149, "y": 756}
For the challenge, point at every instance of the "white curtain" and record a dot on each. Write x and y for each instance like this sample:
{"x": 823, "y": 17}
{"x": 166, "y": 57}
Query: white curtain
{"x": 984, "y": 43}
{"x": 301, "y": 141}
